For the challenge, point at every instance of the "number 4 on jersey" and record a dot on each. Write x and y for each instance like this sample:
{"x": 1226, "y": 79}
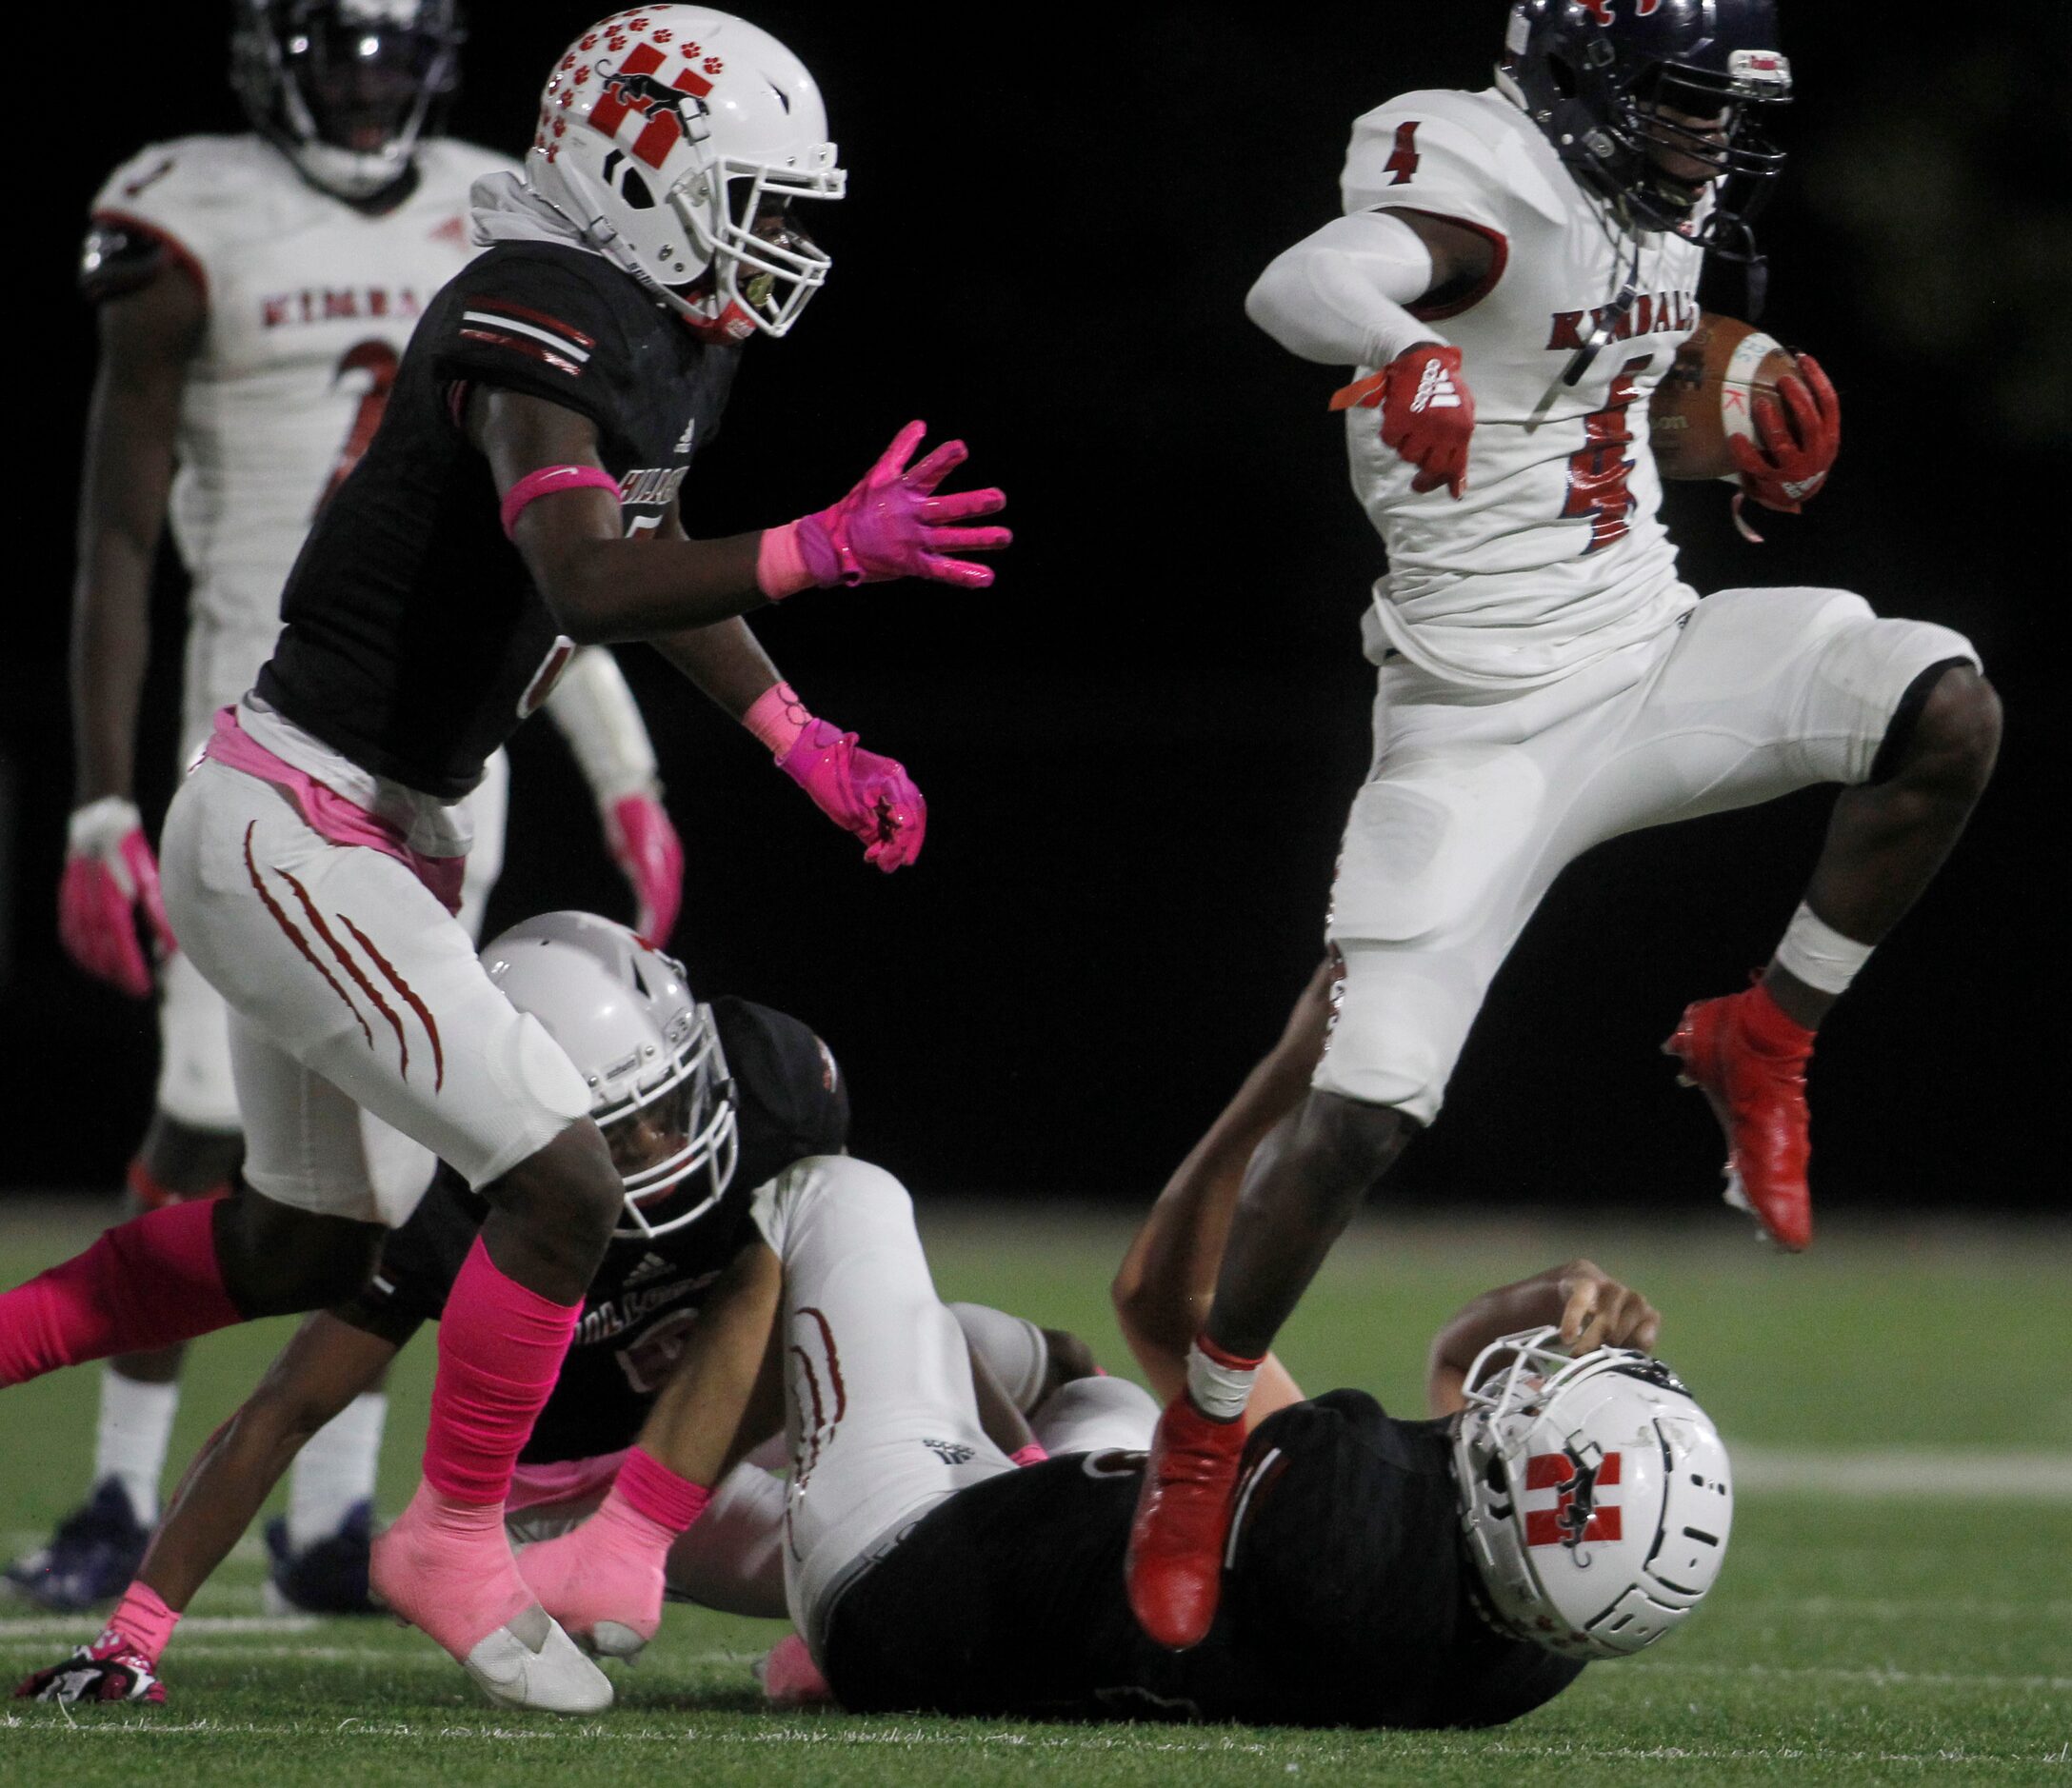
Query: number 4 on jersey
{"x": 1404, "y": 158}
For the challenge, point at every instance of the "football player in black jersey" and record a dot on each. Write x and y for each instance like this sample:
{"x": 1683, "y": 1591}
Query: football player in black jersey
{"x": 517, "y": 499}
{"x": 1565, "y": 1499}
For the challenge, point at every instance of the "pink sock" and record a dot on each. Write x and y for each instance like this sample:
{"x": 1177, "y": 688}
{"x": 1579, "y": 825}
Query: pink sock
{"x": 142, "y": 1621}
{"x": 649, "y": 1491}
{"x": 500, "y": 1348}
{"x": 612, "y": 1569}
{"x": 143, "y": 1286}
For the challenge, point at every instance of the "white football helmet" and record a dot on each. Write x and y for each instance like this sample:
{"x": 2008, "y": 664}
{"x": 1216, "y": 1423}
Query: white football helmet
{"x": 646, "y": 1048}
{"x": 1594, "y": 1492}
{"x": 663, "y": 132}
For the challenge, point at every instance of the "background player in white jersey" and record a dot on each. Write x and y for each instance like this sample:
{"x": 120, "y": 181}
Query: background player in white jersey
{"x": 255, "y": 294}
{"x": 1512, "y": 274}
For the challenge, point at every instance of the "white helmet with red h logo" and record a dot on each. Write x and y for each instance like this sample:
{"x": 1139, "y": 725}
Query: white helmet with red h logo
{"x": 664, "y": 133}
{"x": 1595, "y": 1495}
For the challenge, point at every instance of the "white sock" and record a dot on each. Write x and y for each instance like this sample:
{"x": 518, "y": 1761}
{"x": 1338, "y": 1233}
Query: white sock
{"x": 1219, "y": 1384}
{"x": 1814, "y": 953}
{"x": 335, "y": 1469}
{"x": 129, "y": 1444}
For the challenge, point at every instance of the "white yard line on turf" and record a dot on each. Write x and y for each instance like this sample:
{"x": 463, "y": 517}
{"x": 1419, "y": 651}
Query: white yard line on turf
{"x": 1873, "y": 1676}
{"x": 909, "y": 1737}
{"x": 1963, "y": 1474}
{"x": 58, "y": 1625}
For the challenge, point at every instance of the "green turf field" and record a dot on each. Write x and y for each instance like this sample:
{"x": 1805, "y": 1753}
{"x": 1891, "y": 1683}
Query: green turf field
{"x": 1897, "y": 1605}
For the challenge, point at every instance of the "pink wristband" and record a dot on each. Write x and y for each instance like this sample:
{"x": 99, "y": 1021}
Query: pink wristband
{"x": 143, "y": 1620}
{"x": 780, "y": 567}
{"x": 777, "y": 716}
{"x": 1032, "y": 1454}
{"x": 544, "y": 483}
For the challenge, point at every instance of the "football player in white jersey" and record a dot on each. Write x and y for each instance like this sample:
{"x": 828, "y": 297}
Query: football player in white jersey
{"x": 1511, "y": 277}
{"x": 255, "y": 294}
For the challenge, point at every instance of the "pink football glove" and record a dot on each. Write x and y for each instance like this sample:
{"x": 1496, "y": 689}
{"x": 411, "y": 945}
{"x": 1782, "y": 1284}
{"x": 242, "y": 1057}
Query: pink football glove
{"x": 863, "y": 793}
{"x": 1799, "y": 440}
{"x": 109, "y": 873}
{"x": 1428, "y": 412}
{"x": 645, "y": 847}
{"x": 111, "y": 1669}
{"x": 888, "y": 527}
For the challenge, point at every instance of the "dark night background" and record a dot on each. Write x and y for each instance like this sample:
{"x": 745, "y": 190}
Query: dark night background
{"x": 1138, "y": 747}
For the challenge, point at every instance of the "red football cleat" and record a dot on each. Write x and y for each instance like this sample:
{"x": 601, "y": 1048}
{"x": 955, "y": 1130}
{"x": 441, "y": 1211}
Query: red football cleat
{"x": 1174, "y": 1568}
{"x": 1749, "y": 1059}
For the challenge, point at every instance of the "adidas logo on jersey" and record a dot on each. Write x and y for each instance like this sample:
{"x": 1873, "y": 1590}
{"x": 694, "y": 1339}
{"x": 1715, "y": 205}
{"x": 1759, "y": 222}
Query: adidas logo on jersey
{"x": 651, "y": 1266}
{"x": 950, "y": 1451}
{"x": 683, "y": 440}
{"x": 1436, "y": 388}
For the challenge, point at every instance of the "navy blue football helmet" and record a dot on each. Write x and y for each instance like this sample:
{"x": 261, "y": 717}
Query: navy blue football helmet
{"x": 346, "y": 88}
{"x": 1637, "y": 96}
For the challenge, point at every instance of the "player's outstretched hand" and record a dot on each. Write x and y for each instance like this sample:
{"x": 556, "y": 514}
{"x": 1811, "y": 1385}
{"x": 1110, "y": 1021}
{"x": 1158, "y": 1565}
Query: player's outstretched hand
{"x": 868, "y": 795}
{"x": 1428, "y": 412}
{"x": 1800, "y": 438}
{"x": 894, "y": 524}
{"x": 109, "y": 1670}
{"x": 1597, "y": 1311}
{"x": 650, "y": 855}
{"x": 109, "y": 874}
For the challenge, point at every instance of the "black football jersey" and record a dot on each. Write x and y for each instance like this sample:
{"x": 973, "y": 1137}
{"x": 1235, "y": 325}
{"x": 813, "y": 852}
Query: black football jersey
{"x": 648, "y": 1292}
{"x": 414, "y": 641}
{"x": 1345, "y": 1602}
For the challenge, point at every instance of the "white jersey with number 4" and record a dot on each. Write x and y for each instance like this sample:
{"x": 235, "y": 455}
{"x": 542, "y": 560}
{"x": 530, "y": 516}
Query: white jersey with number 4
{"x": 311, "y": 304}
{"x": 1554, "y": 558}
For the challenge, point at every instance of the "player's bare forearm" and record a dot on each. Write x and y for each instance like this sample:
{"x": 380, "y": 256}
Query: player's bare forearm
{"x": 1590, "y": 1307}
{"x": 605, "y": 590}
{"x": 725, "y": 1393}
{"x": 326, "y": 1365}
{"x": 726, "y": 661}
{"x": 146, "y": 339}
{"x": 1162, "y": 1290}
{"x": 1002, "y": 1423}
{"x": 602, "y": 586}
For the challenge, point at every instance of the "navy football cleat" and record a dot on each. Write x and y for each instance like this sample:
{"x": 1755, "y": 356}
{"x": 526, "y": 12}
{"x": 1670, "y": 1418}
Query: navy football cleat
{"x": 92, "y": 1554}
{"x": 327, "y": 1576}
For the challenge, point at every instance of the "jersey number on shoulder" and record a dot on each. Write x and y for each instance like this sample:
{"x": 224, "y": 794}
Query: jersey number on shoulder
{"x": 1403, "y": 159}
{"x": 1598, "y": 474}
{"x": 378, "y": 360}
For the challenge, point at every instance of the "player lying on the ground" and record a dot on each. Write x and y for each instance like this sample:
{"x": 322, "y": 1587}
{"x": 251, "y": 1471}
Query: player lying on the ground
{"x": 254, "y": 296}
{"x": 724, "y": 1096}
{"x": 1514, "y": 272}
{"x": 1453, "y": 1571}
{"x": 518, "y": 498}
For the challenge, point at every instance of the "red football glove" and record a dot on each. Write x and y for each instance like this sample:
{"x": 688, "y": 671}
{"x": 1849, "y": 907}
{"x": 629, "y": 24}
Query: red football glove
{"x": 1798, "y": 440}
{"x": 111, "y": 1669}
{"x": 1428, "y": 412}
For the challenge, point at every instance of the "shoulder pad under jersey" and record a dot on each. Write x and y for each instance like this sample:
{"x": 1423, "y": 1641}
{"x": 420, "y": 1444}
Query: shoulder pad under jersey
{"x": 1465, "y": 155}
{"x": 119, "y": 258}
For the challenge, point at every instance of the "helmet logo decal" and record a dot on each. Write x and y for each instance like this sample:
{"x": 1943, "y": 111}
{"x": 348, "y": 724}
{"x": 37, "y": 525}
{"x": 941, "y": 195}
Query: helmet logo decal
{"x": 1604, "y": 12}
{"x": 1575, "y": 1515}
{"x": 636, "y": 89}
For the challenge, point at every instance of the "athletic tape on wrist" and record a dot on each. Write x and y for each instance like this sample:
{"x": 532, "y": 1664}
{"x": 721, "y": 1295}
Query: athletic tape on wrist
{"x": 546, "y": 481}
{"x": 777, "y": 716}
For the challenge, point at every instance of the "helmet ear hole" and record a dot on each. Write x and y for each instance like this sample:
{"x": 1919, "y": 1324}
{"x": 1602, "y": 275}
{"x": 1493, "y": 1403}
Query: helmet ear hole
{"x": 633, "y": 189}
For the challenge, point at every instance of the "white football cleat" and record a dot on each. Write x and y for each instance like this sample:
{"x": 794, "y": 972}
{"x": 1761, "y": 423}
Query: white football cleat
{"x": 532, "y": 1664}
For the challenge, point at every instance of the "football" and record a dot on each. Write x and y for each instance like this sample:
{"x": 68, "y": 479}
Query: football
{"x": 1708, "y": 396}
